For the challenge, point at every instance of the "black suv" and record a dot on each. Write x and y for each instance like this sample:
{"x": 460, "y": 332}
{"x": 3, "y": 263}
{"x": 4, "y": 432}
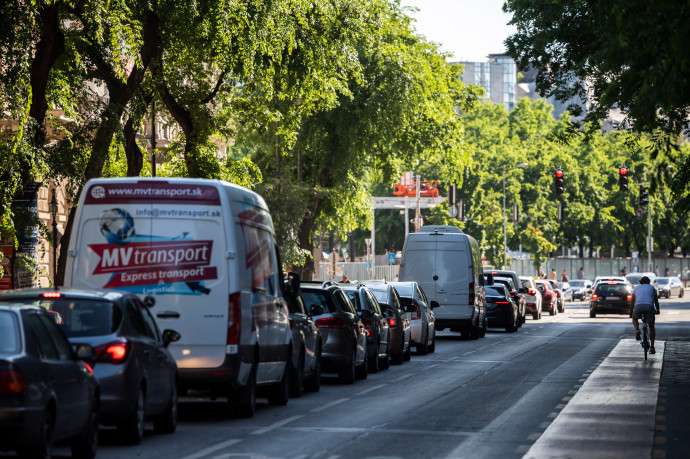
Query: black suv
{"x": 516, "y": 290}
{"x": 342, "y": 333}
{"x": 397, "y": 317}
{"x": 611, "y": 297}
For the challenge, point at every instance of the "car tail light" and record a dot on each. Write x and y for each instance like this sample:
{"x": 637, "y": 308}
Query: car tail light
{"x": 113, "y": 352}
{"x": 52, "y": 294}
{"x": 11, "y": 382}
{"x": 629, "y": 297}
{"x": 330, "y": 322}
{"x": 416, "y": 313}
{"x": 502, "y": 302}
{"x": 595, "y": 296}
{"x": 610, "y": 283}
{"x": 558, "y": 294}
{"x": 392, "y": 322}
{"x": 531, "y": 292}
{"x": 471, "y": 295}
{"x": 234, "y": 319}
{"x": 367, "y": 326}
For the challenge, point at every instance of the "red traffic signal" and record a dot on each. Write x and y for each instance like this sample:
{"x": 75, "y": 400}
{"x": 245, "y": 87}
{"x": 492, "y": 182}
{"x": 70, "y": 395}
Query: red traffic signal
{"x": 623, "y": 179}
{"x": 558, "y": 183}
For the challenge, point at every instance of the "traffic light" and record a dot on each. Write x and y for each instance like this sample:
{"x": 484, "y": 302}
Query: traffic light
{"x": 558, "y": 184}
{"x": 643, "y": 199}
{"x": 623, "y": 178}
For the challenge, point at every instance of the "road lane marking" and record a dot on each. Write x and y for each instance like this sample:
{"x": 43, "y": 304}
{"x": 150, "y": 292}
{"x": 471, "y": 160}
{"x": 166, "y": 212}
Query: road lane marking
{"x": 371, "y": 389}
{"x": 402, "y": 378}
{"x": 213, "y": 449}
{"x": 416, "y": 432}
{"x": 329, "y": 405}
{"x": 277, "y": 425}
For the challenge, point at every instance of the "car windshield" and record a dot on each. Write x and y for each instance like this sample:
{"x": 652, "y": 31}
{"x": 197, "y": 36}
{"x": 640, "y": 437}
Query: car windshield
{"x": 404, "y": 290}
{"x": 381, "y": 295}
{"x": 577, "y": 283}
{"x": 317, "y": 299}
{"x": 604, "y": 289}
{"x": 492, "y": 292}
{"x": 9, "y": 333}
{"x": 354, "y": 297}
{"x": 661, "y": 280}
{"x": 84, "y": 317}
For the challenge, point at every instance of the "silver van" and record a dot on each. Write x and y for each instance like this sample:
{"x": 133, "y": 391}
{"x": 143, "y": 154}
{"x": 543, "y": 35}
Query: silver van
{"x": 203, "y": 252}
{"x": 447, "y": 264}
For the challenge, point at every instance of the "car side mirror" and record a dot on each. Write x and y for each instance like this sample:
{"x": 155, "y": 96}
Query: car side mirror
{"x": 170, "y": 336}
{"x": 85, "y": 352}
{"x": 434, "y": 304}
{"x": 316, "y": 310}
{"x": 149, "y": 301}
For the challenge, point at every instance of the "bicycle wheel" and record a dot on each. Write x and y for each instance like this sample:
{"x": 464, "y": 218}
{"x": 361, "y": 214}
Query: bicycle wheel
{"x": 645, "y": 340}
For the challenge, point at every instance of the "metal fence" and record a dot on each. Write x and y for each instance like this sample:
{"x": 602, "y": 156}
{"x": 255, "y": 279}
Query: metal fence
{"x": 593, "y": 267}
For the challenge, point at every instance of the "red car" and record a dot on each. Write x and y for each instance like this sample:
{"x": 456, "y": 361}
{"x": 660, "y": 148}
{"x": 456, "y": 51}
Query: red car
{"x": 548, "y": 295}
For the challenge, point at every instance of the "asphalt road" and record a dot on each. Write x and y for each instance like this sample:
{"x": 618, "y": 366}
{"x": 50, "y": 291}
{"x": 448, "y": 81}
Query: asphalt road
{"x": 493, "y": 397}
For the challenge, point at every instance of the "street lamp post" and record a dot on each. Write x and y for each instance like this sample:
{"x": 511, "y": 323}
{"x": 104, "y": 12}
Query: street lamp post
{"x": 53, "y": 207}
{"x": 505, "y": 237}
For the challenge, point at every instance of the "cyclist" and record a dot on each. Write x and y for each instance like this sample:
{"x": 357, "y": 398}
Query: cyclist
{"x": 645, "y": 301}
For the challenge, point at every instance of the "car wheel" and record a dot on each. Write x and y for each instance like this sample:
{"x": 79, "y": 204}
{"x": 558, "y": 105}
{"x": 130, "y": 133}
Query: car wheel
{"x": 397, "y": 358}
{"x": 85, "y": 445}
{"x": 347, "y": 373}
{"x": 373, "y": 362}
{"x": 423, "y": 348}
{"x": 511, "y": 328}
{"x": 42, "y": 445}
{"x": 362, "y": 371}
{"x": 592, "y": 314}
{"x": 385, "y": 362}
{"x": 166, "y": 422}
{"x": 432, "y": 346}
{"x": 536, "y": 315}
{"x": 313, "y": 384}
{"x": 682, "y": 293}
{"x": 132, "y": 430}
{"x": 280, "y": 393}
{"x": 554, "y": 310}
{"x": 243, "y": 402}
{"x": 408, "y": 353}
{"x": 297, "y": 378}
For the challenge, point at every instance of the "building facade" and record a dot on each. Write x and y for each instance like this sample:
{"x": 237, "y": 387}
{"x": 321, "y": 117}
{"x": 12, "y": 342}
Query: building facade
{"x": 498, "y": 77}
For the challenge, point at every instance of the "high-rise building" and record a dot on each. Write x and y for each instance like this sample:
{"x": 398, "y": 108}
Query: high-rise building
{"x": 498, "y": 77}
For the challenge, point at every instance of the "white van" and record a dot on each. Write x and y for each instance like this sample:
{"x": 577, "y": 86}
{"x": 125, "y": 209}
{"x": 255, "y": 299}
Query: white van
{"x": 203, "y": 252}
{"x": 447, "y": 264}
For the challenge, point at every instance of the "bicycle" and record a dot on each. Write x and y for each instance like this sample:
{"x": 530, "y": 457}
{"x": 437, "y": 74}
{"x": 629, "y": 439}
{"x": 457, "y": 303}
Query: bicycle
{"x": 645, "y": 340}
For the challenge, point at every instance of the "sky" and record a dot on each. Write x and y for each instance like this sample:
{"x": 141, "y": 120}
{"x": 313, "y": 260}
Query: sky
{"x": 470, "y": 29}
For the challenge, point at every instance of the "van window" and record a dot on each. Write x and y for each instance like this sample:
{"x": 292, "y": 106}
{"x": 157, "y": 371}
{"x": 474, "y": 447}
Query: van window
{"x": 451, "y": 262}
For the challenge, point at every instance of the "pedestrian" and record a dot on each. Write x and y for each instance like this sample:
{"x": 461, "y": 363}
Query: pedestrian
{"x": 542, "y": 275}
{"x": 345, "y": 279}
{"x": 552, "y": 274}
{"x": 564, "y": 276}
{"x": 656, "y": 271}
{"x": 581, "y": 273}
{"x": 667, "y": 272}
{"x": 624, "y": 271}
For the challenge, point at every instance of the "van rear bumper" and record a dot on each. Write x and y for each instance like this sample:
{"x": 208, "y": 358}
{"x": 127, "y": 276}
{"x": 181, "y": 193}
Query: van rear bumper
{"x": 220, "y": 378}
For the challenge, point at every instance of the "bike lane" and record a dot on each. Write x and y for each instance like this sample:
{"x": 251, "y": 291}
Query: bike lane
{"x": 613, "y": 414}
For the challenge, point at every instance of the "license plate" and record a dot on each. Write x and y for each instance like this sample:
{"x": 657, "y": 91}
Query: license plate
{"x": 613, "y": 298}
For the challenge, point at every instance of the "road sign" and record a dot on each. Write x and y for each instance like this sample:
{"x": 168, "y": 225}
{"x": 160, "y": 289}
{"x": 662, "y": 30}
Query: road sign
{"x": 453, "y": 211}
{"x": 635, "y": 255}
{"x": 639, "y": 212}
{"x": 391, "y": 258}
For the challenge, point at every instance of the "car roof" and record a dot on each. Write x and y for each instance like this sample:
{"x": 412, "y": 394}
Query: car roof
{"x": 67, "y": 292}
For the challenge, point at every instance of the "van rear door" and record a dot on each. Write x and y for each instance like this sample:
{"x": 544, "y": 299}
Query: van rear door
{"x": 452, "y": 270}
{"x": 419, "y": 263}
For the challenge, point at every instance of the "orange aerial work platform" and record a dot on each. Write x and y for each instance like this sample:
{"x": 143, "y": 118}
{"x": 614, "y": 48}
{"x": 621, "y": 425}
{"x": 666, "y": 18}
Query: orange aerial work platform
{"x": 427, "y": 189}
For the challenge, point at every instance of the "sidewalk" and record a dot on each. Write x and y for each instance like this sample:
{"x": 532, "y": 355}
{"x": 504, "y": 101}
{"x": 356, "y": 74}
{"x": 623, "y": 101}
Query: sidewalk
{"x": 672, "y": 430}
{"x": 614, "y": 413}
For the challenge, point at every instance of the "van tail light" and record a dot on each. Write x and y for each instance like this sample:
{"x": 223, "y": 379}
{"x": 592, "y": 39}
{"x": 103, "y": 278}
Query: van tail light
{"x": 558, "y": 294}
{"x": 11, "y": 382}
{"x": 330, "y": 322}
{"x": 531, "y": 292}
{"x": 234, "y": 319}
{"x": 629, "y": 297}
{"x": 471, "y": 295}
{"x": 595, "y": 296}
{"x": 114, "y": 352}
{"x": 416, "y": 314}
{"x": 367, "y": 326}
{"x": 392, "y": 322}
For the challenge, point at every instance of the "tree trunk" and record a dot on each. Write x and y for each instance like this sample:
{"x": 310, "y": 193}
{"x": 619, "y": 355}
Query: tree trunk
{"x": 135, "y": 157}
{"x": 64, "y": 244}
{"x": 306, "y": 230}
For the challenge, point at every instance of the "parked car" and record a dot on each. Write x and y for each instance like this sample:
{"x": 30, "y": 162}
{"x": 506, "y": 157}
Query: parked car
{"x": 517, "y": 291}
{"x": 137, "y": 374}
{"x": 422, "y": 317}
{"x": 634, "y": 278}
{"x": 566, "y": 290}
{"x": 47, "y": 394}
{"x": 559, "y": 295}
{"x": 501, "y": 309}
{"x": 342, "y": 332}
{"x": 548, "y": 296}
{"x": 205, "y": 250}
{"x": 375, "y": 324}
{"x": 447, "y": 263}
{"x": 668, "y": 286}
{"x": 611, "y": 298}
{"x": 513, "y": 291}
{"x": 306, "y": 339}
{"x": 398, "y": 320}
{"x": 532, "y": 295}
{"x": 581, "y": 289}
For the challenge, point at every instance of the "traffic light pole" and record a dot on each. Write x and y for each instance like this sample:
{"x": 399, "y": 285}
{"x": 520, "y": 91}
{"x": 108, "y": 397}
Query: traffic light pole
{"x": 649, "y": 237}
{"x": 505, "y": 238}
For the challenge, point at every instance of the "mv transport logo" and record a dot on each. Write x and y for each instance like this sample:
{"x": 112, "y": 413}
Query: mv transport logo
{"x": 98, "y": 192}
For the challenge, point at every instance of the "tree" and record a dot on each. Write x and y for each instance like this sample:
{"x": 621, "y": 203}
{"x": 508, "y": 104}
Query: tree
{"x": 621, "y": 54}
